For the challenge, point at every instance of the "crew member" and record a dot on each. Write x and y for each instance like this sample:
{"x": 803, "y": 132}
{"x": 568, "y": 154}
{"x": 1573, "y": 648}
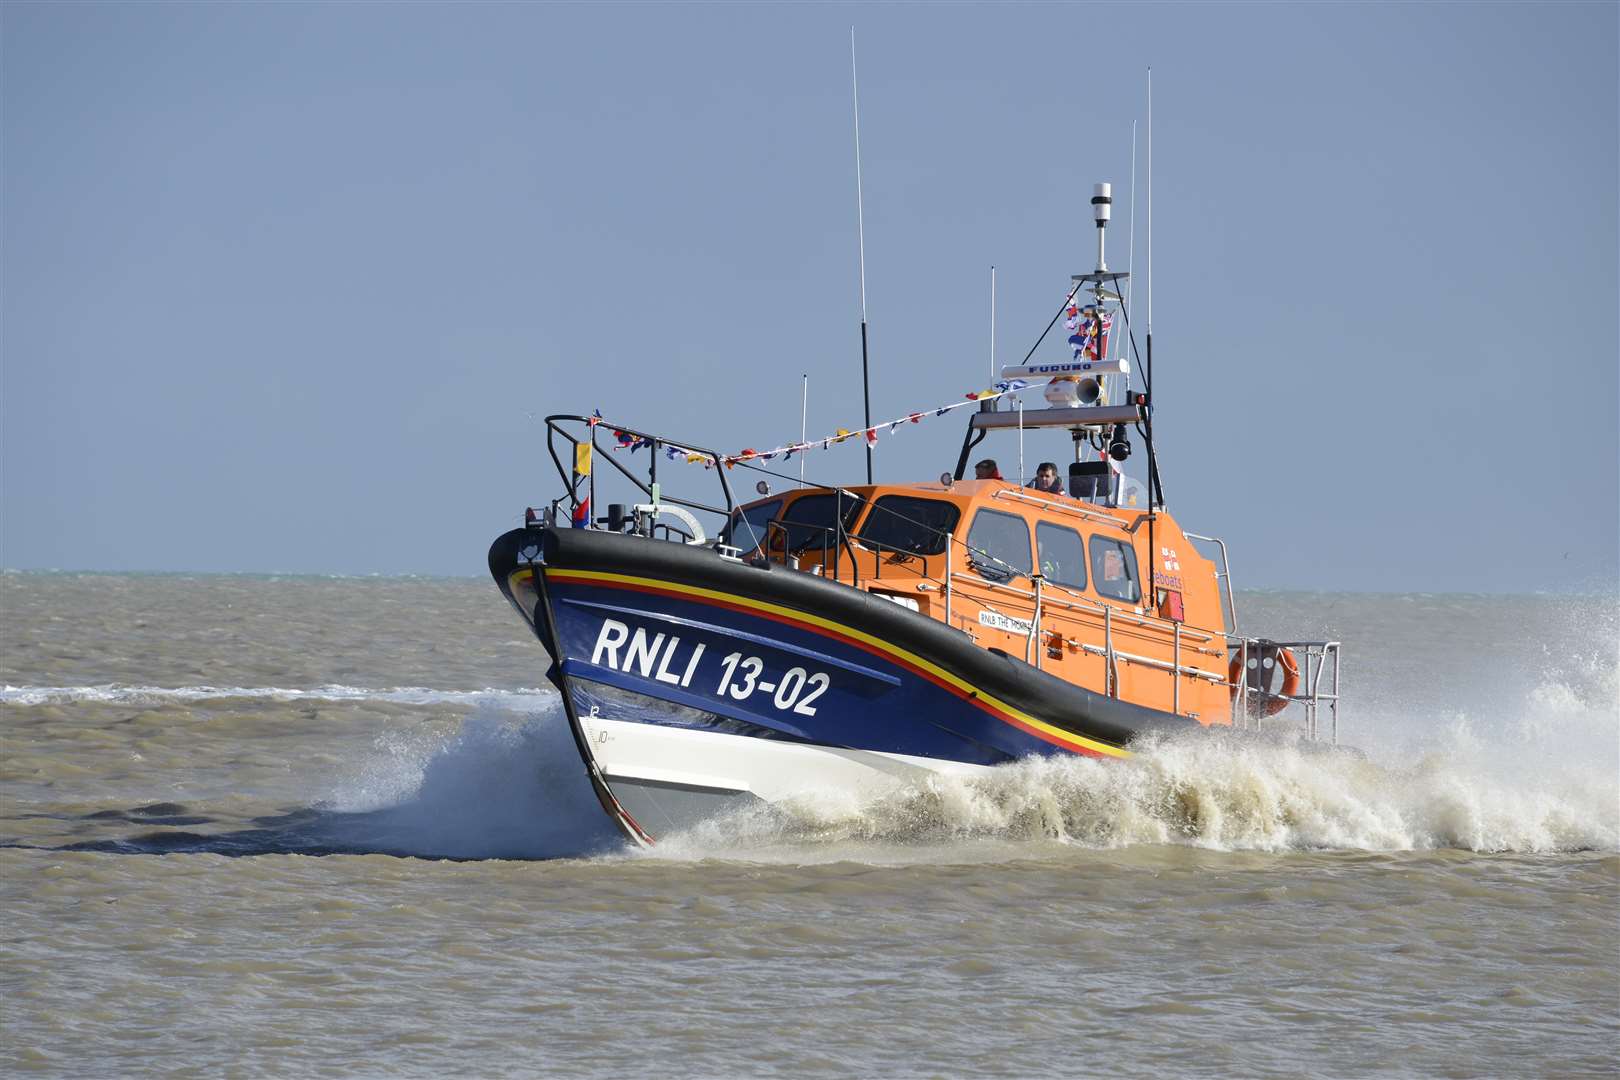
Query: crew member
{"x": 987, "y": 470}
{"x": 1046, "y": 479}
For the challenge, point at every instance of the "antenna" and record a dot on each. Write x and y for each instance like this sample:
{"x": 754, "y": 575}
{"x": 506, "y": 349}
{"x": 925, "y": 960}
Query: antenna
{"x": 804, "y": 414}
{"x": 1130, "y": 256}
{"x": 860, "y": 226}
{"x": 992, "y": 322}
{"x": 1155, "y": 492}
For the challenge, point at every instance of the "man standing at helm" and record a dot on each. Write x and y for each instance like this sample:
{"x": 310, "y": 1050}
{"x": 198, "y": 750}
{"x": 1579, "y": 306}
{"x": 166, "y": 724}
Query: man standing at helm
{"x": 1046, "y": 479}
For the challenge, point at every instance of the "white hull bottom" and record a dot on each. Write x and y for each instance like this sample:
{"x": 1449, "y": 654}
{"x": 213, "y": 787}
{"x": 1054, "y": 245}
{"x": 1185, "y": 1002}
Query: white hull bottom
{"x": 669, "y": 779}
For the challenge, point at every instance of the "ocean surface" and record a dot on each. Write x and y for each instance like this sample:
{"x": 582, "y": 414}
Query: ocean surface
{"x": 260, "y": 826}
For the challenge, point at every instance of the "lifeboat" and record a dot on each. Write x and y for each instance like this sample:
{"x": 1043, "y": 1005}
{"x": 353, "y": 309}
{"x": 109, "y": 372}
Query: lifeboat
{"x": 856, "y": 639}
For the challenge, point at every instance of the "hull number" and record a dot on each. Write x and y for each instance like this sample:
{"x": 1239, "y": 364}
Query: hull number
{"x": 797, "y": 689}
{"x": 655, "y": 657}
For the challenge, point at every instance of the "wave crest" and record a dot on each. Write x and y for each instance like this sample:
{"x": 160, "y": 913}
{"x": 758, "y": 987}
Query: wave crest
{"x": 1220, "y": 793}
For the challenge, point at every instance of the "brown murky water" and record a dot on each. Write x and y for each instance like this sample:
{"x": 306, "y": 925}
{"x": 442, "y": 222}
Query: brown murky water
{"x": 292, "y": 827}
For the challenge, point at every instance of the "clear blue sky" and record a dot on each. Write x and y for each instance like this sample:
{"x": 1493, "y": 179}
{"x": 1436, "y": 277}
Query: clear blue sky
{"x": 286, "y": 284}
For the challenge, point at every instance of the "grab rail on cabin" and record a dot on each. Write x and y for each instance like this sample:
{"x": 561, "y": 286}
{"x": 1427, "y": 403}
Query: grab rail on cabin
{"x": 1223, "y": 574}
{"x": 1080, "y": 510}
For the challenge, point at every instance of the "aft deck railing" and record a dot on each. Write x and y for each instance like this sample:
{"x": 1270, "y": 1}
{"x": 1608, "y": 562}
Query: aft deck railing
{"x": 1317, "y": 689}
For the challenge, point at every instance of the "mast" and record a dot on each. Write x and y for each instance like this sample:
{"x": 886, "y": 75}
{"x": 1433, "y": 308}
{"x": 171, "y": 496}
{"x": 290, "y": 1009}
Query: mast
{"x": 1155, "y": 490}
{"x": 1130, "y": 254}
{"x": 1155, "y": 495}
{"x": 1102, "y": 210}
{"x": 860, "y": 226}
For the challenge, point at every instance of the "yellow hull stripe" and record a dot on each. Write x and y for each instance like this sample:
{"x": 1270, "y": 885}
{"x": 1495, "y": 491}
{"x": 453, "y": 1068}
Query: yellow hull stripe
{"x": 1056, "y": 734}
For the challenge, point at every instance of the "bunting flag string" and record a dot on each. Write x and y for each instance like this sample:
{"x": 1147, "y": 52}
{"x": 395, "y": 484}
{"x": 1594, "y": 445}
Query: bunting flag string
{"x": 625, "y": 441}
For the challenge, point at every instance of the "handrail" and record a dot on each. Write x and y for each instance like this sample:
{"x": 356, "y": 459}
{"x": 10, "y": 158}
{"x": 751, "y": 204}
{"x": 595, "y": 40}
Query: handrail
{"x": 1148, "y": 661}
{"x": 1090, "y": 515}
{"x": 1031, "y": 639}
{"x": 1086, "y": 603}
{"x": 1175, "y": 667}
{"x": 1225, "y": 573}
{"x": 841, "y": 542}
{"x": 654, "y": 443}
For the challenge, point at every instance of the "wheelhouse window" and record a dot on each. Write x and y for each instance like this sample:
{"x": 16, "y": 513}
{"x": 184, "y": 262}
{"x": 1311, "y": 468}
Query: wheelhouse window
{"x": 810, "y": 519}
{"x": 911, "y": 525}
{"x": 998, "y": 545}
{"x": 1061, "y": 554}
{"x": 747, "y": 527}
{"x": 1113, "y": 570}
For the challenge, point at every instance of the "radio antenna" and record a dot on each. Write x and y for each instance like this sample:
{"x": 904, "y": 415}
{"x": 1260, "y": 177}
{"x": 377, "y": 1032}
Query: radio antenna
{"x": 1130, "y": 256}
{"x": 992, "y": 322}
{"x": 1148, "y": 375}
{"x": 860, "y": 227}
{"x": 1155, "y": 493}
{"x": 804, "y": 416}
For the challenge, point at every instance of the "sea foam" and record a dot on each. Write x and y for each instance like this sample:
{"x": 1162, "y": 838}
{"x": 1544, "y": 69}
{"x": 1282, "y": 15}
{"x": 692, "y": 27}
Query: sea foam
{"x": 507, "y": 783}
{"x": 1543, "y": 779}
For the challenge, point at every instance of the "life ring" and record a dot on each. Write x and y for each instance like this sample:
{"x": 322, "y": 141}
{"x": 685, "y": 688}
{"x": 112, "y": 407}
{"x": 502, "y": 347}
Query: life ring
{"x": 1262, "y": 699}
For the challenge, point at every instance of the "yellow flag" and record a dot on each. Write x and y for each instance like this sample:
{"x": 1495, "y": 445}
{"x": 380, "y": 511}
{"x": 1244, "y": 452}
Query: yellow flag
{"x": 582, "y": 458}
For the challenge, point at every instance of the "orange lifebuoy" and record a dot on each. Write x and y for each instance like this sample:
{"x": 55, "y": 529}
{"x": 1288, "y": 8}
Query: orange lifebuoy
{"x": 1265, "y": 701}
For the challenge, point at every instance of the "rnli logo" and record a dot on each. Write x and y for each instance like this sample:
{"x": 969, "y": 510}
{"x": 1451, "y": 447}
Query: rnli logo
{"x": 650, "y": 657}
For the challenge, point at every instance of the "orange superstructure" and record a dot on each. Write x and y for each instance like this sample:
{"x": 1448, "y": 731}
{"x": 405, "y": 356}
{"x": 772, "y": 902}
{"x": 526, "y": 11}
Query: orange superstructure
{"x": 1054, "y": 581}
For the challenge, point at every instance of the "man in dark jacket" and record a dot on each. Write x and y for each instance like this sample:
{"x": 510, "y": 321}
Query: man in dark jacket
{"x": 1047, "y": 480}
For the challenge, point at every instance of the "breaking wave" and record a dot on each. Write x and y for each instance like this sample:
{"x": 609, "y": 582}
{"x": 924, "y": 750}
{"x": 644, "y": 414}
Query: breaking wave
{"x": 1207, "y": 793}
{"x": 1547, "y": 780}
{"x": 507, "y": 784}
